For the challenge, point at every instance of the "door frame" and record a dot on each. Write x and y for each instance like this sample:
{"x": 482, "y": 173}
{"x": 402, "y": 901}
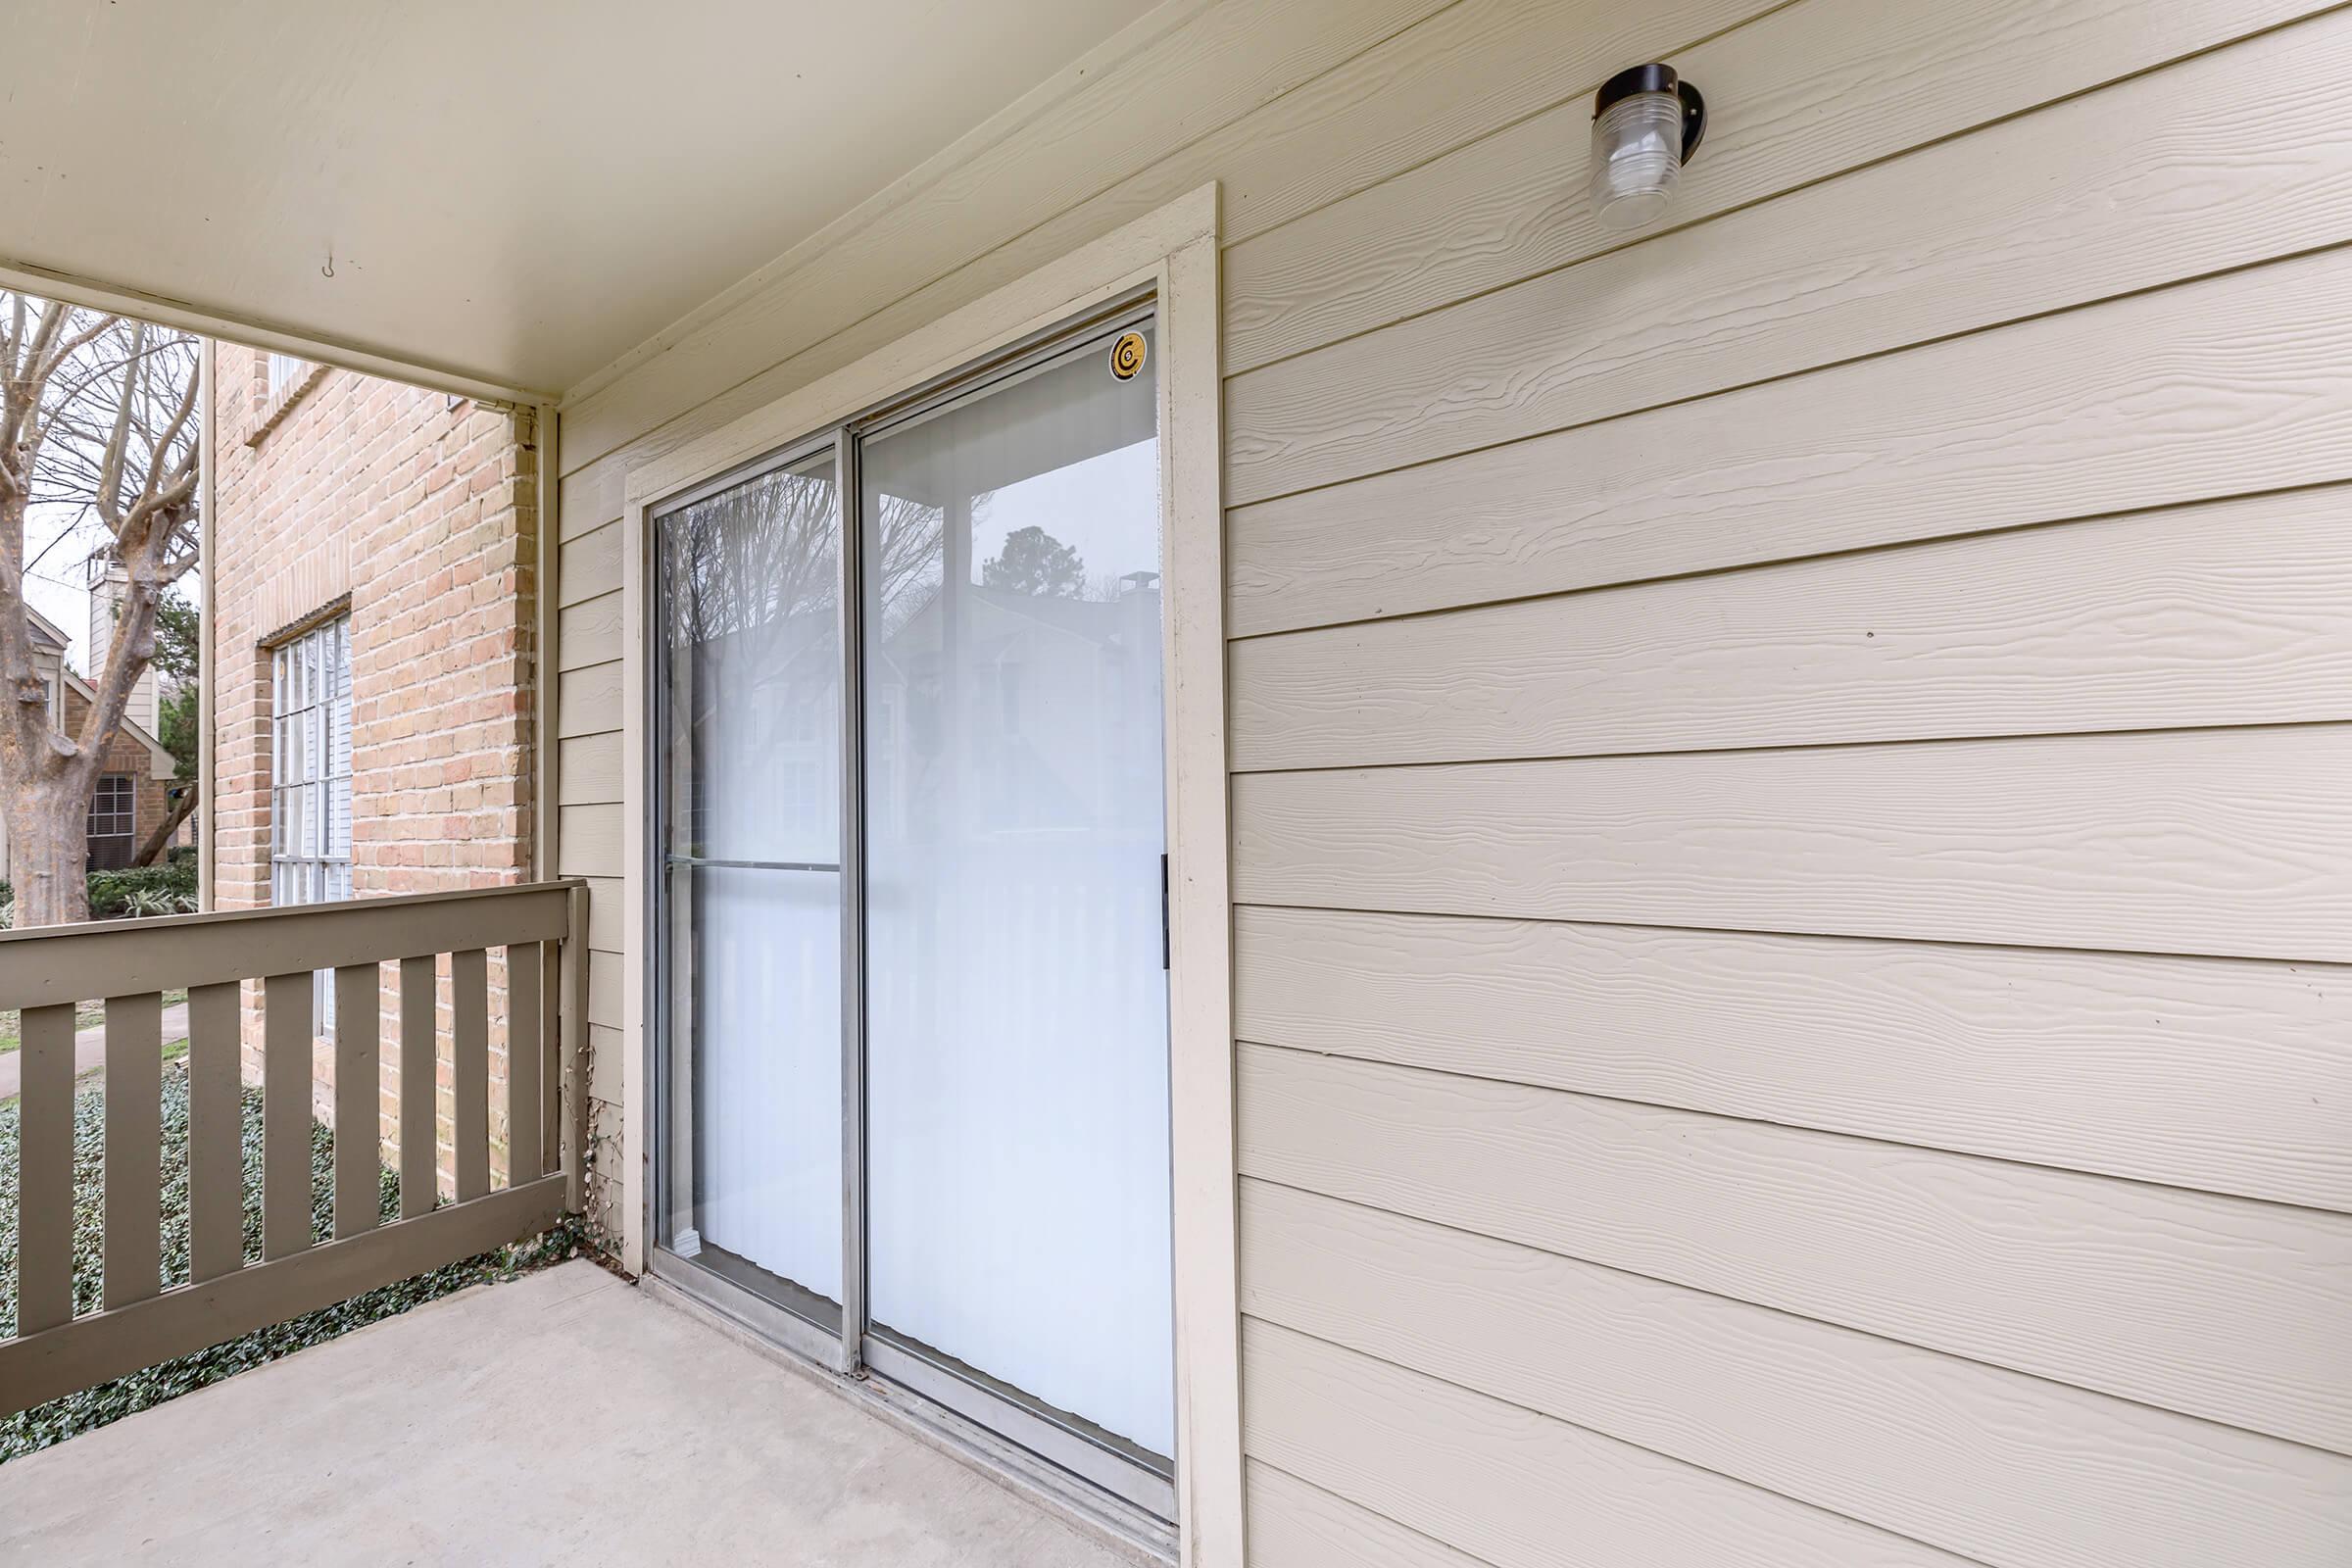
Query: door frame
{"x": 1171, "y": 255}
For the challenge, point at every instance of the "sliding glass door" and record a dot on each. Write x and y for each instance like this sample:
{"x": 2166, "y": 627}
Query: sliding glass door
{"x": 916, "y": 1051}
{"x": 750, "y": 755}
{"x": 1016, "y": 1031}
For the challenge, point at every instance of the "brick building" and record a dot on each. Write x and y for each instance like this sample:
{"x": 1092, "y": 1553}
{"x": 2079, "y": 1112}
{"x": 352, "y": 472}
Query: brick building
{"x": 372, "y": 554}
{"x": 132, "y": 796}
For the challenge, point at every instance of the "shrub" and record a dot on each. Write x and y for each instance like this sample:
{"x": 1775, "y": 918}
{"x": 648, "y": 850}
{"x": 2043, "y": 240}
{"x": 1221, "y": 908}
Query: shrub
{"x": 139, "y": 889}
{"x": 144, "y": 902}
{"x": 74, "y": 1413}
{"x": 172, "y": 889}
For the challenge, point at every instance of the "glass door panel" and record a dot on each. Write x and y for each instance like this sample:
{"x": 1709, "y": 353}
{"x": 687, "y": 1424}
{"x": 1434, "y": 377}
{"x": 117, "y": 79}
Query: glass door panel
{"x": 752, "y": 769}
{"x": 1018, "y": 1202}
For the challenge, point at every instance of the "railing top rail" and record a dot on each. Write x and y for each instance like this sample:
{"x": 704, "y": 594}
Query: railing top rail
{"x": 282, "y": 912}
{"x": 47, "y": 965}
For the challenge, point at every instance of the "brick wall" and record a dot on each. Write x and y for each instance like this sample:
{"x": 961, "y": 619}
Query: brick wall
{"x": 126, "y": 754}
{"x": 423, "y": 513}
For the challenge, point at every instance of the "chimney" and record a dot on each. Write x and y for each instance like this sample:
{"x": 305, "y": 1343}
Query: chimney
{"x": 110, "y": 585}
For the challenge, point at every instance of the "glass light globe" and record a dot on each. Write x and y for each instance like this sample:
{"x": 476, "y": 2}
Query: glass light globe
{"x": 1637, "y": 158}
{"x": 1647, "y": 123}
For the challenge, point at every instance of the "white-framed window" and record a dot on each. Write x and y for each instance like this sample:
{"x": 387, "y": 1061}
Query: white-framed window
{"x": 310, "y": 793}
{"x": 285, "y": 371}
{"x": 309, "y": 782}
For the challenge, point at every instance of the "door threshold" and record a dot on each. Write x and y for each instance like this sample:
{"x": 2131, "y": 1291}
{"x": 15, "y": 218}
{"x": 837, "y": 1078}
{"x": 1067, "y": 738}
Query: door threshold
{"x": 1143, "y": 1538}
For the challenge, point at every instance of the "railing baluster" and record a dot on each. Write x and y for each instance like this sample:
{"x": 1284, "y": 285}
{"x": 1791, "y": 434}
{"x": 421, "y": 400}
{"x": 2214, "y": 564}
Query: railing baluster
{"x": 551, "y": 1050}
{"x": 216, "y": 1134}
{"x": 420, "y": 1089}
{"x": 540, "y": 930}
{"x": 285, "y": 1114}
{"x": 470, "y": 1069}
{"x": 525, "y": 1153}
{"x": 358, "y": 1095}
{"x": 45, "y": 1170}
{"x": 134, "y": 1152}
{"x": 574, "y": 1027}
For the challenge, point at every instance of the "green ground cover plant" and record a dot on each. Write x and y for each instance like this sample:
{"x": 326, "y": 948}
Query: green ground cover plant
{"x": 93, "y": 1408}
{"x": 88, "y": 1014}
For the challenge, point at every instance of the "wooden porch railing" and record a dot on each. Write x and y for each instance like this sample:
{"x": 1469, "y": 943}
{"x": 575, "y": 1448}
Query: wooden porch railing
{"x": 49, "y": 972}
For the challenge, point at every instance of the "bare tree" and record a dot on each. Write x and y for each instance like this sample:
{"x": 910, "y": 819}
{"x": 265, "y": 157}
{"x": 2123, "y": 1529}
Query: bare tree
{"x": 179, "y": 659}
{"x": 98, "y": 429}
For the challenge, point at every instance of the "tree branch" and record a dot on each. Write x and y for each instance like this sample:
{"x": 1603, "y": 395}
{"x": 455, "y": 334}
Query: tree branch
{"x": 108, "y": 495}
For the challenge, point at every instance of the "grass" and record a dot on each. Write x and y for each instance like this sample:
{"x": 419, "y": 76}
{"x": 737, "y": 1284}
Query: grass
{"x": 85, "y": 1017}
{"x": 93, "y": 1408}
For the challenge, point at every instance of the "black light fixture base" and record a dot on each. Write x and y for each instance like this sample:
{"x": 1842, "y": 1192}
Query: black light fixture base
{"x": 1656, "y": 77}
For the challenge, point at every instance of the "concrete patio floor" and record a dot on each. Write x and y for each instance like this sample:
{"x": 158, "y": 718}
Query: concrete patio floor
{"x": 561, "y": 1418}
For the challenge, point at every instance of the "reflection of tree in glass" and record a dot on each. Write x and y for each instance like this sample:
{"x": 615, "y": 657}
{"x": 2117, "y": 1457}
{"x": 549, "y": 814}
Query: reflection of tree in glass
{"x": 766, "y": 556}
{"x": 756, "y": 556}
{"x": 1033, "y": 561}
{"x": 912, "y": 546}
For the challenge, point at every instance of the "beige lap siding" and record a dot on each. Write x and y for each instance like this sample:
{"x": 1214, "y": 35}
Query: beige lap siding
{"x": 1789, "y": 772}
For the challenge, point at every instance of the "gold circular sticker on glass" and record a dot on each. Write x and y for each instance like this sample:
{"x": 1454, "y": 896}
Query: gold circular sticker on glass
{"x": 1128, "y": 353}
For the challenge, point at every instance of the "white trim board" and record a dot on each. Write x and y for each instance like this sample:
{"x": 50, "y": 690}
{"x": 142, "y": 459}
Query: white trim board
{"x": 1173, "y": 251}
{"x": 98, "y": 295}
{"x": 1137, "y": 38}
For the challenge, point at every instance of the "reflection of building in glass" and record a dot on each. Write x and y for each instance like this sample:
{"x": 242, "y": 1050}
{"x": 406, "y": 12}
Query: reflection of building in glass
{"x": 1032, "y": 675}
{"x": 1050, "y": 700}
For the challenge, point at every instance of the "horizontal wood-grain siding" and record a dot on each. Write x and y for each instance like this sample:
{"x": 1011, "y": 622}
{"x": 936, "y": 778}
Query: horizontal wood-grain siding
{"x": 588, "y": 566}
{"x": 2227, "y": 1075}
{"x": 604, "y": 913}
{"x": 590, "y": 839}
{"x": 588, "y": 770}
{"x": 1797, "y": 899}
{"x": 2212, "y": 388}
{"x": 588, "y": 699}
{"x": 1995, "y": 1465}
{"x": 2226, "y": 614}
{"x": 1517, "y": 1487}
{"x": 1846, "y": 268}
{"x": 1801, "y": 94}
{"x": 588, "y": 632}
{"x": 2229, "y": 841}
{"x": 2213, "y": 1306}
{"x": 1295, "y": 1524}
{"x": 605, "y": 988}
{"x": 591, "y": 497}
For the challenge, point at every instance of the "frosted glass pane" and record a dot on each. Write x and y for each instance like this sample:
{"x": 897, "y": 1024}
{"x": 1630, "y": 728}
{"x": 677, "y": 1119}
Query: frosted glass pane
{"x": 752, "y": 756}
{"x": 1017, "y": 1147}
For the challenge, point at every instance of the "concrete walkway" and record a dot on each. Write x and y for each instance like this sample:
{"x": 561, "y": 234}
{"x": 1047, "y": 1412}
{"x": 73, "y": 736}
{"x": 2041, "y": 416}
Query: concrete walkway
{"x": 89, "y": 1049}
{"x": 564, "y": 1418}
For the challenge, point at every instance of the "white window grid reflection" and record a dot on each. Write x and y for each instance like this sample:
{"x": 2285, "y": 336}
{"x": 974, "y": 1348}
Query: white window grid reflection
{"x": 310, "y": 793}
{"x": 284, "y": 371}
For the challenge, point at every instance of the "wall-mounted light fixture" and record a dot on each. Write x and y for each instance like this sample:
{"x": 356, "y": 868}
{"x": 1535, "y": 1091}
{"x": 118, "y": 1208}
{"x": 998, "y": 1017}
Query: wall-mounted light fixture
{"x": 1647, "y": 123}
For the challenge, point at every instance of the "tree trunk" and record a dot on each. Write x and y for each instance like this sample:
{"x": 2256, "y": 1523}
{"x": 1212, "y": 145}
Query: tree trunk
{"x": 162, "y": 836}
{"x": 48, "y": 855}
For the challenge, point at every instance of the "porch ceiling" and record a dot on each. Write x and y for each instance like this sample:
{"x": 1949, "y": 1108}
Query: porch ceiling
{"x": 515, "y": 194}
